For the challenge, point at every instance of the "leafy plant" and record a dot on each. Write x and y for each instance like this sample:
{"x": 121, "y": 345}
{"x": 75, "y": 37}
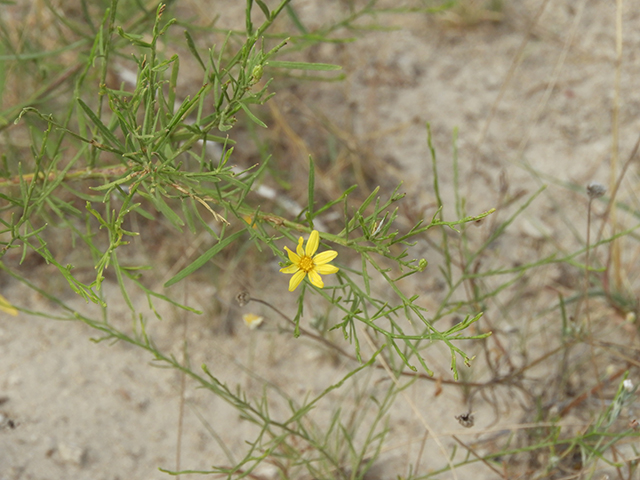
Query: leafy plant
{"x": 121, "y": 157}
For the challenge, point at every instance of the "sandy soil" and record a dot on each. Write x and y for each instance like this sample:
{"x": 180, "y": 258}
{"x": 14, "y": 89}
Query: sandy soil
{"x": 101, "y": 411}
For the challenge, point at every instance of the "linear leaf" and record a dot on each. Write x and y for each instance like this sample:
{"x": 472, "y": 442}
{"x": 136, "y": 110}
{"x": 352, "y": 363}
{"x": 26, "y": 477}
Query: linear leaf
{"x": 204, "y": 258}
{"x": 167, "y": 211}
{"x": 192, "y": 48}
{"x": 108, "y": 135}
{"x": 264, "y": 8}
{"x": 303, "y": 65}
{"x": 252, "y": 116}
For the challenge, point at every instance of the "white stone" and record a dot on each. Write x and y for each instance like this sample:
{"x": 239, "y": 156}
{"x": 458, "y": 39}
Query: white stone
{"x": 71, "y": 453}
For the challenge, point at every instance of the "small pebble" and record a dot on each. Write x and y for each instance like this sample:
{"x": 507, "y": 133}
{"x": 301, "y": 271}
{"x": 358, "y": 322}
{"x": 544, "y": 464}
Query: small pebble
{"x": 71, "y": 453}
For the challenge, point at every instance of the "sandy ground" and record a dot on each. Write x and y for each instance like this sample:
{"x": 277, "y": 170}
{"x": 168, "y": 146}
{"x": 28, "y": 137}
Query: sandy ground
{"x": 102, "y": 411}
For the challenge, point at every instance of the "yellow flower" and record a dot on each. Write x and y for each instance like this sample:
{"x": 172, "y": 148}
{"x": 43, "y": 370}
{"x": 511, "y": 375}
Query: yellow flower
{"x": 304, "y": 262}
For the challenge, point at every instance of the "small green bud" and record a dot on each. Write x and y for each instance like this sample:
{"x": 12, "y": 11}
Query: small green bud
{"x": 422, "y": 264}
{"x": 256, "y": 74}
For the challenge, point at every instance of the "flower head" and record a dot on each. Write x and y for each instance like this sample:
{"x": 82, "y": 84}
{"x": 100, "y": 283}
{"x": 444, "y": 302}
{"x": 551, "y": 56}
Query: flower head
{"x": 595, "y": 190}
{"x": 303, "y": 262}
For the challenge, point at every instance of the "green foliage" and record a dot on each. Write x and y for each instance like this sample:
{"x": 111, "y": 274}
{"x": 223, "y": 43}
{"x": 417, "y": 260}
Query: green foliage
{"x": 139, "y": 143}
{"x": 116, "y": 154}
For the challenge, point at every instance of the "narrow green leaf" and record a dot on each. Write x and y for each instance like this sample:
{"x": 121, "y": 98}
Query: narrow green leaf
{"x": 264, "y": 8}
{"x": 204, "y": 258}
{"x": 173, "y": 82}
{"x": 167, "y": 211}
{"x": 248, "y": 22}
{"x": 46, "y": 53}
{"x": 192, "y": 48}
{"x": 151, "y": 293}
{"x": 365, "y": 276}
{"x": 369, "y": 199}
{"x": 96, "y": 214}
{"x": 123, "y": 288}
{"x": 252, "y": 116}
{"x": 336, "y": 201}
{"x": 303, "y": 65}
{"x": 108, "y": 135}
{"x": 115, "y": 183}
{"x": 134, "y": 39}
{"x": 311, "y": 188}
{"x": 295, "y": 19}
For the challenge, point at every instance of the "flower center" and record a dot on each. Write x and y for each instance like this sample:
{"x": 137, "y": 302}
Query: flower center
{"x": 306, "y": 264}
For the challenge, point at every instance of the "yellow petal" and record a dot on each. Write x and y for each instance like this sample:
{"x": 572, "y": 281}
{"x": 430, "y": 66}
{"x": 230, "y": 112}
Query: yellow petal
{"x": 299, "y": 248}
{"x": 312, "y": 243}
{"x": 326, "y": 269}
{"x": 296, "y": 279}
{"x": 325, "y": 257}
{"x": 5, "y": 306}
{"x": 295, "y": 259}
{"x": 315, "y": 279}
{"x": 290, "y": 269}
